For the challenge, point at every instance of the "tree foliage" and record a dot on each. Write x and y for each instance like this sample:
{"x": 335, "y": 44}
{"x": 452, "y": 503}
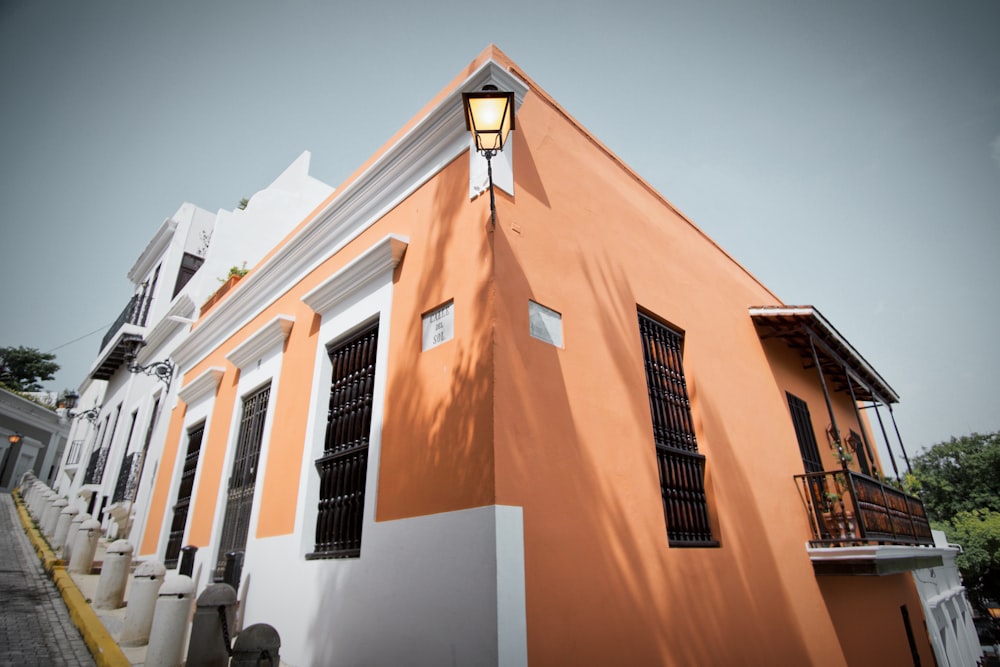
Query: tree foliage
{"x": 978, "y": 532}
{"x": 959, "y": 482}
{"x": 25, "y": 368}
{"x": 960, "y": 475}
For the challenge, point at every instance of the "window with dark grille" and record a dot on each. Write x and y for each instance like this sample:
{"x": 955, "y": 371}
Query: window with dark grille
{"x": 125, "y": 469}
{"x": 681, "y": 467}
{"x": 344, "y": 465}
{"x": 179, "y": 522}
{"x": 802, "y": 421}
{"x": 243, "y": 478}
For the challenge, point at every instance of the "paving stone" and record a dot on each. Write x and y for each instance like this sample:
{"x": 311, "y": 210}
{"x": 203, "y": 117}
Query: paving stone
{"x": 35, "y": 627}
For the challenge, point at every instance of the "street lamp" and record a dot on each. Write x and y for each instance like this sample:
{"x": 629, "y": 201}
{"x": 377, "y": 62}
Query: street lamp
{"x": 14, "y": 439}
{"x": 489, "y": 115}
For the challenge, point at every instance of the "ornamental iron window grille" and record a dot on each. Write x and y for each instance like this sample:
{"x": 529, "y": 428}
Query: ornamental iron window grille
{"x": 344, "y": 465}
{"x": 681, "y": 467}
{"x": 95, "y": 467}
{"x": 125, "y": 468}
{"x": 126, "y": 478}
{"x": 179, "y": 521}
{"x": 243, "y": 478}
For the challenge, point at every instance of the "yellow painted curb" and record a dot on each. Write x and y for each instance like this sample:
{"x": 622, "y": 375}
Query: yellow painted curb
{"x": 103, "y": 648}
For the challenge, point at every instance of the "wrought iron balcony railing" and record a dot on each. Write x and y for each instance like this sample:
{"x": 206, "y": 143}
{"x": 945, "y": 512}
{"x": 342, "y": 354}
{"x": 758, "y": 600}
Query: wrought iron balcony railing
{"x": 134, "y": 313}
{"x": 847, "y": 508}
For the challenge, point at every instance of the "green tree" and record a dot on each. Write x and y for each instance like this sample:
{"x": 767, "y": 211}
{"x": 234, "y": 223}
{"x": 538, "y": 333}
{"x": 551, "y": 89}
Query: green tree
{"x": 978, "y": 531}
{"x": 25, "y": 368}
{"x": 960, "y": 475}
{"x": 959, "y": 482}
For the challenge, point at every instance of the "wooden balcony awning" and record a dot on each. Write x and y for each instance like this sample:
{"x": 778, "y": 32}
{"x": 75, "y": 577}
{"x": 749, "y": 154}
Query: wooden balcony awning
{"x": 796, "y": 325}
{"x": 114, "y": 354}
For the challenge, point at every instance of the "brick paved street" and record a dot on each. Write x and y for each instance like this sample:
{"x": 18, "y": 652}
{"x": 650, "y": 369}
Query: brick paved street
{"x": 35, "y": 627}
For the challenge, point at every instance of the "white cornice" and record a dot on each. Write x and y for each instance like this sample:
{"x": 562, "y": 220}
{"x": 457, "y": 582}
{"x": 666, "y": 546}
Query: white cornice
{"x": 206, "y": 382}
{"x": 381, "y": 257}
{"x": 31, "y": 413}
{"x": 182, "y": 307}
{"x": 272, "y": 333}
{"x": 154, "y": 249}
{"x": 431, "y": 144}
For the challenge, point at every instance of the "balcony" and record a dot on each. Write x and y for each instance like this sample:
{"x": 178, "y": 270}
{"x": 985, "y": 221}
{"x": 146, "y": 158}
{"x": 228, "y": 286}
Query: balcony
{"x": 861, "y": 526}
{"x": 122, "y": 337}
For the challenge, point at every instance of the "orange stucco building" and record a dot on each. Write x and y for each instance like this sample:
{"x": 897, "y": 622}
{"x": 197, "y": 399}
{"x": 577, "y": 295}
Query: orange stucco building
{"x": 577, "y": 435}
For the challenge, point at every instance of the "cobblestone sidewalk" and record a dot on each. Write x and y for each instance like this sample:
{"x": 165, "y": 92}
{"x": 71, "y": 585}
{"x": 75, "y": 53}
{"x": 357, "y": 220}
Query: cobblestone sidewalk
{"x": 35, "y": 627}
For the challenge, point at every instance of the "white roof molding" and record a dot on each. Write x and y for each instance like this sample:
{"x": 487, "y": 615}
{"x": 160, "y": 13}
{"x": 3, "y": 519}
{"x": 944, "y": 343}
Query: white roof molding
{"x": 182, "y": 307}
{"x": 154, "y": 250}
{"x": 432, "y": 143}
{"x": 381, "y": 257}
{"x": 272, "y": 333}
{"x": 207, "y": 382}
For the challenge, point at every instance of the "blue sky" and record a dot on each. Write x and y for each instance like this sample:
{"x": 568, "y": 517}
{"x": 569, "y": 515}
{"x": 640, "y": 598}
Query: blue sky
{"x": 847, "y": 153}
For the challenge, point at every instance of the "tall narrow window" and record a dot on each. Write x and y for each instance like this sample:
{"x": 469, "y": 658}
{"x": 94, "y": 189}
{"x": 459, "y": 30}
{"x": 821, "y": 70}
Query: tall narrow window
{"x": 243, "y": 478}
{"x": 125, "y": 469}
{"x": 681, "y": 467}
{"x": 179, "y": 522}
{"x": 804, "y": 433}
{"x": 344, "y": 465}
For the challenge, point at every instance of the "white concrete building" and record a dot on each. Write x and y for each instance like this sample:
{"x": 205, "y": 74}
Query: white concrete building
{"x": 118, "y": 429}
{"x": 947, "y": 609}
{"x": 39, "y": 439}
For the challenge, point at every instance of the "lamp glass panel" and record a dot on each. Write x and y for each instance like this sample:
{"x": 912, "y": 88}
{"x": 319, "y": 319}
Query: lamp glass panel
{"x": 490, "y": 121}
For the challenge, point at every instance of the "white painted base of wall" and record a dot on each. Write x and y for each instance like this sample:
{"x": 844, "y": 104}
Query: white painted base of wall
{"x": 445, "y": 589}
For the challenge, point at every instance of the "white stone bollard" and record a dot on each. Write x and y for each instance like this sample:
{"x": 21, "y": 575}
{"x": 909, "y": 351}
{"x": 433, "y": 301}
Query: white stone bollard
{"x": 62, "y": 527}
{"x": 85, "y": 547}
{"x": 48, "y": 522}
{"x": 171, "y": 616}
{"x": 27, "y": 479}
{"x": 74, "y": 528}
{"x": 114, "y": 576}
{"x": 37, "y": 491}
{"x": 142, "y": 594}
{"x": 48, "y": 497}
{"x": 29, "y": 495}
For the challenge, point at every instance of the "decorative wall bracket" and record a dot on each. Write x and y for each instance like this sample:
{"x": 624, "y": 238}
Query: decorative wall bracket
{"x": 90, "y": 415}
{"x": 161, "y": 370}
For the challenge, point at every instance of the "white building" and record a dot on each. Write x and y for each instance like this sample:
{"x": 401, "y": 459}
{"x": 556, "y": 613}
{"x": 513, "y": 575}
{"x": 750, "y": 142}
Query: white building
{"x": 947, "y": 609}
{"x": 118, "y": 430}
{"x": 39, "y": 438}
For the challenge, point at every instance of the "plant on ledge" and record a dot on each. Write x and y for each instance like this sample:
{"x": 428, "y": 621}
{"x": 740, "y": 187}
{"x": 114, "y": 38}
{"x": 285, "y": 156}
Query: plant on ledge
{"x": 235, "y": 271}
